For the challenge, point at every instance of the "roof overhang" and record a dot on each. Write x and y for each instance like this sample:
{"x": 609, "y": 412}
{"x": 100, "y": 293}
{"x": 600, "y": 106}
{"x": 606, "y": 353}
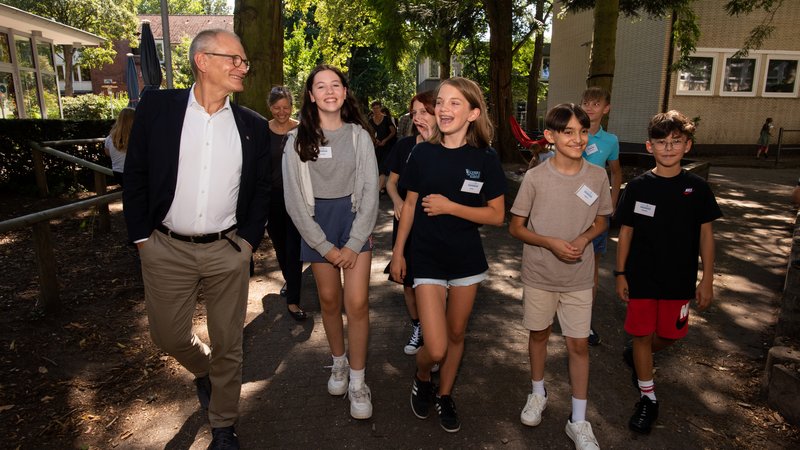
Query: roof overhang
{"x": 59, "y": 33}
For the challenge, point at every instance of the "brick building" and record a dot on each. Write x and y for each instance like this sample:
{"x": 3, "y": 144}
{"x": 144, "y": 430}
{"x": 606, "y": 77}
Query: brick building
{"x": 731, "y": 97}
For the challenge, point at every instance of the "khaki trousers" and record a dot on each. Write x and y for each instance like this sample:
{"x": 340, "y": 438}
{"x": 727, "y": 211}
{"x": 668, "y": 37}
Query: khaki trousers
{"x": 174, "y": 273}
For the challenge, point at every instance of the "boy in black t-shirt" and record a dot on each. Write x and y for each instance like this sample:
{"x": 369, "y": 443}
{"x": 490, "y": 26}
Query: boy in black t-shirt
{"x": 665, "y": 217}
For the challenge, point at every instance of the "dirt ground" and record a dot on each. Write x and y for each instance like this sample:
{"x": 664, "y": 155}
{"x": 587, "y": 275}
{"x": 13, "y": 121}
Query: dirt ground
{"x": 90, "y": 377}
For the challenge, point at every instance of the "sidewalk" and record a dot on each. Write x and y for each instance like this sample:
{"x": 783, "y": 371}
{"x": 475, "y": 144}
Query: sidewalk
{"x": 707, "y": 384}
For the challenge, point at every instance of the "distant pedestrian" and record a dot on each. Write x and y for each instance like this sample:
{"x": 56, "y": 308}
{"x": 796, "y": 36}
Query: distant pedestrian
{"x": 764, "y": 137}
{"x": 454, "y": 185}
{"x": 330, "y": 181}
{"x": 116, "y": 144}
{"x": 561, "y": 207}
{"x": 280, "y": 228}
{"x": 666, "y": 215}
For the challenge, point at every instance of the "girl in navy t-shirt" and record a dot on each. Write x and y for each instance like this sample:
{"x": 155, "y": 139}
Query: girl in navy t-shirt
{"x": 455, "y": 184}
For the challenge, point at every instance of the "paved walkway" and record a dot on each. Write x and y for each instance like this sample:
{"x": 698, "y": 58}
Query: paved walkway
{"x": 705, "y": 385}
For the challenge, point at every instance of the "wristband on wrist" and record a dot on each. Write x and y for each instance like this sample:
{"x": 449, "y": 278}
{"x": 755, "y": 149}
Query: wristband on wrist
{"x": 618, "y": 273}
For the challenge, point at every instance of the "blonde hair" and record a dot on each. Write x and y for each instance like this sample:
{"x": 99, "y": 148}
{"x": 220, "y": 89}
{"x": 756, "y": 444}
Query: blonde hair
{"x": 121, "y": 130}
{"x": 481, "y": 130}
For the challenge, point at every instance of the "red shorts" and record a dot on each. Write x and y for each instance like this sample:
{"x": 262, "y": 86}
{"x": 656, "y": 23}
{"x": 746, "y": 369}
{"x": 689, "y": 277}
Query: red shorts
{"x": 666, "y": 318}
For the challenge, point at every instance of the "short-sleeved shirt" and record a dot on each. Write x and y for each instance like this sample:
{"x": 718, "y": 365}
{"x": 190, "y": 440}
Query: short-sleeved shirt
{"x": 601, "y": 148}
{"x": 446, "y": 246}
{"x": 560, "y": 206}
{"x": 117, "y": 157}
{"x": 397, "y": 159}
{"x": 666, "y": 215}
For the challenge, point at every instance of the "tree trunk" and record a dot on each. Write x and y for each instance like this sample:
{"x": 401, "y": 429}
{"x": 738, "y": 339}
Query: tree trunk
{"x": 532, "y": 117}
{"x": 69, "y": 52}
{"x": 444, "y": 63}
{"x": 498, "y": 13}
{"x": 260, "y": 26}
{"x": 604, "y": 41}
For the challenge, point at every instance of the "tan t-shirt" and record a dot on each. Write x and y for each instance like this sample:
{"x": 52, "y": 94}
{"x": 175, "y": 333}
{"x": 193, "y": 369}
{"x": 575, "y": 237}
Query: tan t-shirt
{"x": 560, "y": 206}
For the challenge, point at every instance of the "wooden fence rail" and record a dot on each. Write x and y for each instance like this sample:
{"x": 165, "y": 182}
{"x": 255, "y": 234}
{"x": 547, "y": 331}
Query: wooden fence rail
{"x": 40, "y": 221}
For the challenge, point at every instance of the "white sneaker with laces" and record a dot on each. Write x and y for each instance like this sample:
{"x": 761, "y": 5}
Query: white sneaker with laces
{"x": 532, "y": 412}
{"x": 581, "y": 434}
{"x": 360, "y": 402}
{"x": 340, "y": 377}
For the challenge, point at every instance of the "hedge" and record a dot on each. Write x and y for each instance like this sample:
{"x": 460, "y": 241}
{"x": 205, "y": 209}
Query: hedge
{"x": 16, "y": 163}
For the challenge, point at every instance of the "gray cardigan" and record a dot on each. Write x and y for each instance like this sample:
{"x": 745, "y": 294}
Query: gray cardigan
{"x": 298, "y": 193}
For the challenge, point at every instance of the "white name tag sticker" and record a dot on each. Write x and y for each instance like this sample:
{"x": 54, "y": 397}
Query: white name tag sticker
{"x": 472, "y": 186}
{"x": 587, "y": 195}
{"x": 591, "y": 149}
{"x": 325, "y": 152}
{"x": 644, "y": 209}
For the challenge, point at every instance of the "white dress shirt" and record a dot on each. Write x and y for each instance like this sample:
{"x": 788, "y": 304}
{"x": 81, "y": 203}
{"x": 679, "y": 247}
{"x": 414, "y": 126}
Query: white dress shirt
{"x": 209, "y": 172}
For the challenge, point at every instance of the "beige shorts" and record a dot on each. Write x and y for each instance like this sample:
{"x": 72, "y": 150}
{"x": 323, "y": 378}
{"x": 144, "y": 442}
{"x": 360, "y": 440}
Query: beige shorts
{"x": 574, "y": 310}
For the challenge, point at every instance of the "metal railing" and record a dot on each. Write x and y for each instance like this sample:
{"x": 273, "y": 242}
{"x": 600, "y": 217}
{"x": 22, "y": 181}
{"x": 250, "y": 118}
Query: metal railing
{"x": 40, "y": 221}
{"x": 781, "y": 146}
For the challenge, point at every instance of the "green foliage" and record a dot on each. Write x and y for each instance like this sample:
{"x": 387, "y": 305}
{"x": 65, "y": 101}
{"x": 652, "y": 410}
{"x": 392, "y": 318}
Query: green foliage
{"x": 184, "y": 7}
{"x": 181, "y": 69}
{"x": 301, "y": 51}
{"x": 16, "y": 164}
{"x": 92, "y": 107}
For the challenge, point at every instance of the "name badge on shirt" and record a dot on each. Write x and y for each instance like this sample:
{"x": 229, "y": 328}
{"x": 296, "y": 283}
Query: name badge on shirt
{"x": 644, "y": 209}
{"x": 587, "y": 195}
{"x": 325, "y": 152}
{"x": 472, "y": 186}
{"x": 591, "y": 149}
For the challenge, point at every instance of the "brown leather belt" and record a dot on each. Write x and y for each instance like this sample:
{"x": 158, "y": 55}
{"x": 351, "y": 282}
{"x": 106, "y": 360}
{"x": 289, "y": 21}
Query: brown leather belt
{"x": 197, "y": 239}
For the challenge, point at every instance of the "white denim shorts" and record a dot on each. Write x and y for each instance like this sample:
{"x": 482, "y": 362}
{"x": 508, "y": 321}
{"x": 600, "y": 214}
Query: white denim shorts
{"x": 457, "y": 282}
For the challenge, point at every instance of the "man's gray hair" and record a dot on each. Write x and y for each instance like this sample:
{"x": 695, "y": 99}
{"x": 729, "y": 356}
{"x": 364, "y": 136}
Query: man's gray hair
{"x": 203, "y": 42}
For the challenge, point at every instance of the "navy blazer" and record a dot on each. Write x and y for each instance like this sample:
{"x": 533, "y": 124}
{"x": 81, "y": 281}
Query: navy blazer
{"x": 151, "y": 165}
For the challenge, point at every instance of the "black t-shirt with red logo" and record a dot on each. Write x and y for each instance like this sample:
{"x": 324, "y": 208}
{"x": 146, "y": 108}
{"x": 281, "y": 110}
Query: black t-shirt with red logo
{"x": 666, "y": 215}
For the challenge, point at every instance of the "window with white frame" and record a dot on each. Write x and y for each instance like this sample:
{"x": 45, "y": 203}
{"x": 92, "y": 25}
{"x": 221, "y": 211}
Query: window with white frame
{"x": 699, "y": 76}
{"x": 780, "y": 79}
{"x": 739, "y": 76}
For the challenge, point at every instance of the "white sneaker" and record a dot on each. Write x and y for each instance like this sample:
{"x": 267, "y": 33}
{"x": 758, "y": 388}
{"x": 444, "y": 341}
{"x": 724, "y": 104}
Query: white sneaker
{"x": 340, "y": 377}
{"x": 532, "y": 412}
{"x": 360, "y": 402}
{"x": 581, "y": 434}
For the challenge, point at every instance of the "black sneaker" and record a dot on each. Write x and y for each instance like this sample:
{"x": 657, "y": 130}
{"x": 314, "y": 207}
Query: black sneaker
{"x": 203, "y": 385}
{"x": 448, "y": 418}
{"x": 627, "y": 356}
{"x": 594, "y": 338}
{"x": 224, "y": 438}
{"x": 646, "y": 413}
{"x": 415, "y": 341}
{"x": 422, "y": 393}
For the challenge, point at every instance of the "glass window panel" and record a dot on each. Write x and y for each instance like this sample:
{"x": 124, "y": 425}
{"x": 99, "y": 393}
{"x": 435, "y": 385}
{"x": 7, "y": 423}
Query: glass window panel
{"x": 433, "y": 71}
{"x": 8, "y": 101}
{"x": 30, "y": 95}
{"x": 51, "y": 96}
{"x": 24, "y": 51}
{"x": 739, "y": 75}
{"x": 781, "y": 75}
{"x": 5, "y": 51}
{"x": 697, "y": 76}
{"x": 45, "y": 53}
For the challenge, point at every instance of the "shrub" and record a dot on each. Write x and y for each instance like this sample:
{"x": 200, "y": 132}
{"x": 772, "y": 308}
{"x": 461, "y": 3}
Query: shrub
{"x": 16, "y": 162}
{"x": 92, "y": 107}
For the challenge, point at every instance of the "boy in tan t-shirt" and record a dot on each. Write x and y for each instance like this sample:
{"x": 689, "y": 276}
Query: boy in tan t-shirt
{"x": 561, "y": 206}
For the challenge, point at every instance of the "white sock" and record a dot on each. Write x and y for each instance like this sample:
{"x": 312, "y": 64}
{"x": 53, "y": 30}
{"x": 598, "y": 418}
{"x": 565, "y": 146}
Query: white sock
{"x": 578, "y": 410}
{"x": 538, "y": 387}
{"x": 356, "y": 378}
{"x": 647, "y": 389}
{"x": 339, "y": 361}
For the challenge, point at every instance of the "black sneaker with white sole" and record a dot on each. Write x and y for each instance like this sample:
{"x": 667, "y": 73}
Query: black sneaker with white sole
{"x": 448, "y": 418}
{"x": 422, "y": 394}
{"x": 646, "y": 413}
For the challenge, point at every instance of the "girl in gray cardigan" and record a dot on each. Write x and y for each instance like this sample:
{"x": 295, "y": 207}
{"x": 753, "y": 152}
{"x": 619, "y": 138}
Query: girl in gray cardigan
{"x": 330, "y": 184}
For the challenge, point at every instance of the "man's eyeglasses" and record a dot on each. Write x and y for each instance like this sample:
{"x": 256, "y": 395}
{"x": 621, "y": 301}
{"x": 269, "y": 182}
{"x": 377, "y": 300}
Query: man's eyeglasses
{"x": 235, "y": 59}
{"x": 664, "y": 143}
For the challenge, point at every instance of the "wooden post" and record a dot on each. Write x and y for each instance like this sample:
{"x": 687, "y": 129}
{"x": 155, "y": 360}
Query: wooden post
{"x": 104, "y": 221}
{"x": 38, "y": 170}
{"x": 48, "y": 284}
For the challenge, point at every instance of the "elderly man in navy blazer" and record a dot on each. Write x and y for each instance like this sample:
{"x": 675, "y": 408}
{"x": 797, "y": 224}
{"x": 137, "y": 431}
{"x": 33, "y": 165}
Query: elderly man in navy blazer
{"x": 197, "y": 180}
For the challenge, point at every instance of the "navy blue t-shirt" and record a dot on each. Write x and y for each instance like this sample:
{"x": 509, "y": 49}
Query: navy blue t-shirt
{"x": 666, "y": 215}
{"x": 397, "y": 159}
{"x": 445, "y": 246}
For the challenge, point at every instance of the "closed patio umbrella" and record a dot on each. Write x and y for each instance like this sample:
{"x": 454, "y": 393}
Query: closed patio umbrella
{"x": 132, "y": 82}
{"x": 151, "y": 66}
